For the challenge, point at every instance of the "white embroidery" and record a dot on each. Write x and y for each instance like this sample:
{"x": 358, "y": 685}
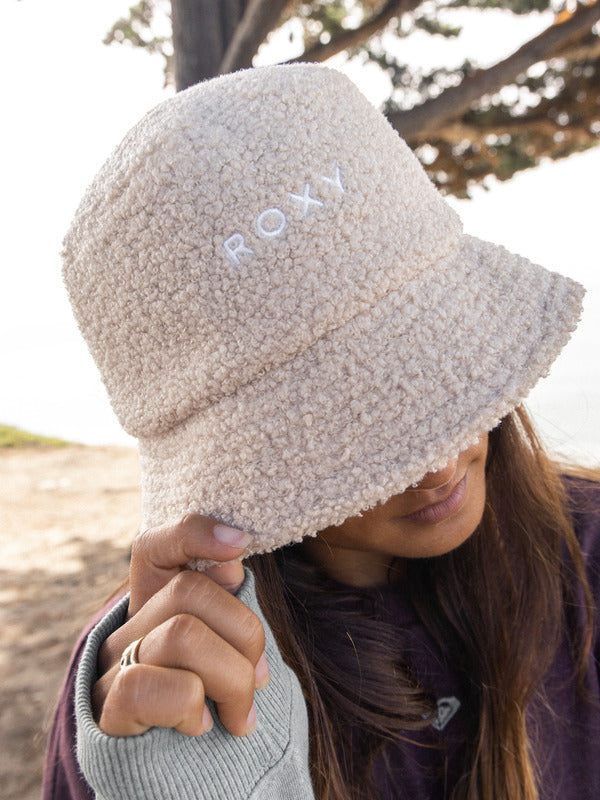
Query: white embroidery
{"x": 336, "y": 180}
{"x": 306, "y": 200}
{"x": 272, "y": 222}
{"x": 262, "y": 221}
{"x": 446, "y": 709}
{"x": 236, "y": 246}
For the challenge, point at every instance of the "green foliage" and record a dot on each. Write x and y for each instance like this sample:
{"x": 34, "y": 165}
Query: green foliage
{"x": 436, "y": 27}
{"x": 550, "y": 112}
{"x": 13, "y": 437}
{"x": 138, "y": 30}
{"x": 515, "y": 6}
{"x": 322, "y": 19}
{"x": 547, "y": 116}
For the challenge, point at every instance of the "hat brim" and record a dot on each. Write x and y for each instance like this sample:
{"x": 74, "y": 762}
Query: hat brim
{"x": 372, "y": 406}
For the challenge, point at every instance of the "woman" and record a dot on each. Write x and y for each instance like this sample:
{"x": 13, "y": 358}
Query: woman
{"x": 311, "y": 353}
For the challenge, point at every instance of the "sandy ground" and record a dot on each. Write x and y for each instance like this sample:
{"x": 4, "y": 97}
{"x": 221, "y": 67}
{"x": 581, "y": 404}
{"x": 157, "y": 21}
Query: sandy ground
{"x": 67, "y": 519}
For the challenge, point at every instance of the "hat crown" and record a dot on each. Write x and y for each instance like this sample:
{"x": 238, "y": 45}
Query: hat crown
{"x": 236, "y": 224}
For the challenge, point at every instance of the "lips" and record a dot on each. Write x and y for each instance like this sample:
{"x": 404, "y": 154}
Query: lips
{"x": 443, "y": 508}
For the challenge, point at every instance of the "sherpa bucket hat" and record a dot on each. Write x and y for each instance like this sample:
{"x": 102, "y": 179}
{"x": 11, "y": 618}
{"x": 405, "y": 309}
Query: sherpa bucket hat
{"x": 286, "y": 312}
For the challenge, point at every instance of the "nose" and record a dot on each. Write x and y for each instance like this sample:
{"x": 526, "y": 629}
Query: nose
{"x": 435, "y": 480}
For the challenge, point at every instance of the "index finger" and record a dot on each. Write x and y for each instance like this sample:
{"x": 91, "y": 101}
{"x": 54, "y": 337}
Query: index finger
{"x": 158, "y": 554}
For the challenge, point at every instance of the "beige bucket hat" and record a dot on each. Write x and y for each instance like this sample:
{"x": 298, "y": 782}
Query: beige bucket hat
{"x": 286, "y": 312}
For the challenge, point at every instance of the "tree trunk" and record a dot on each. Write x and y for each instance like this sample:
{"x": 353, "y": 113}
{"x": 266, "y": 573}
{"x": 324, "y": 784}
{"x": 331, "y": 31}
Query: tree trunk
{"x": 356, "y": 36}
{"x": 202, "y": 31}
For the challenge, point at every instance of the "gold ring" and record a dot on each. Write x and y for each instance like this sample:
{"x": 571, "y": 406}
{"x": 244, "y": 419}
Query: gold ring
{"x": 130, "y": 654}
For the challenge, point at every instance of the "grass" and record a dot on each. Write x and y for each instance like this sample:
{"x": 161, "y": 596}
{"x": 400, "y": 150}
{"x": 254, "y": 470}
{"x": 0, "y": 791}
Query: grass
{"x": 13, "y": 437}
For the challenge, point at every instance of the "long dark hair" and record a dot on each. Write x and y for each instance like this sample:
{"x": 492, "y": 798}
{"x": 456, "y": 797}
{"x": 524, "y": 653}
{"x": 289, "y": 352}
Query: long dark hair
{"x": 501, "y": 599}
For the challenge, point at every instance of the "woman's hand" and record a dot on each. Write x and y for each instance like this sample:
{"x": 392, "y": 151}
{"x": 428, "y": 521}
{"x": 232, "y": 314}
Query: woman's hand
{"x": 198, "y": 640}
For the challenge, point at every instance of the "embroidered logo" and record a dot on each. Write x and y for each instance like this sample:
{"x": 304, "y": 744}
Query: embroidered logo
{"x": 272, "y": 222}
{"x": 446, "y": 709}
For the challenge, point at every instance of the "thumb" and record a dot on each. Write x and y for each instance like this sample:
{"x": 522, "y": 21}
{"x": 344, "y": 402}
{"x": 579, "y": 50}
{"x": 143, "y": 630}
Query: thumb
{"x": 230, "y": 575}
{"x": 158, "y": 554}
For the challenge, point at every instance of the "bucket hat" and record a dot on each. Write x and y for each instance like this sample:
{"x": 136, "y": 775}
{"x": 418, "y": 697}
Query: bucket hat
{"x": 285, "y": 311}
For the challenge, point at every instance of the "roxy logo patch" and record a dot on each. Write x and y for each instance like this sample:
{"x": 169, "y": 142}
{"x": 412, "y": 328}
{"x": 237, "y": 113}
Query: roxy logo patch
{"x": 446, "y": 709}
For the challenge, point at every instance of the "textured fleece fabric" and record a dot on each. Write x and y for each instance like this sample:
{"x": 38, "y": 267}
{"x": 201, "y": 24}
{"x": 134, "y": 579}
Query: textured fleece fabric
{"x": 162, "y": 764}
{"x": 285, "y": 311}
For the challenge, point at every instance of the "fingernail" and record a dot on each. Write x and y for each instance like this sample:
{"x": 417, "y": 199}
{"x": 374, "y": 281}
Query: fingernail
{"x": 231, "y": 536}
{"x": 207, "y": 720}
{"x": 261, "y": 673}
{"x": 251, "y": 721}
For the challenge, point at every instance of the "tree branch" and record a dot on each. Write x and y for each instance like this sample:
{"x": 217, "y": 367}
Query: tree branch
{"x": 455, "y": 133}
{"x": 259, "y": 18}
{"x": 355, "y": 36}
{"x": 585, "y": 47}
{"x": 432, "y": 114}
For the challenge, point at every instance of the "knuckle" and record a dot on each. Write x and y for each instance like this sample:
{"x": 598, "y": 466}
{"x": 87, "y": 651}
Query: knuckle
{"x": 140, "y": 544}
{"x": 253, "y": 633}
{"x": 190, "y": 521}
{"x": 191, "y": 587}
{"x": 183, "y": 584}
{"x": 242, "y": 679}
{"x": 195, "y": 694}
{"x": 181, "y": 628}
{"x": 194, "y": 525}
{"x": 126, "y": 690}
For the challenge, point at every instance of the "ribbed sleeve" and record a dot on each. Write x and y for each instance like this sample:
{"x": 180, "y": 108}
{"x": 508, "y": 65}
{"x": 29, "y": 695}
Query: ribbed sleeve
{"x": 162, "y": 764}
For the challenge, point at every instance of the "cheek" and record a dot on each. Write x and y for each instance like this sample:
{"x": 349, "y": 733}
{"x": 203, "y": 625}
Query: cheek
{"x": 382, "y": 529}
{"x": 448, "y": 535}
{"x": 425, "y": 541}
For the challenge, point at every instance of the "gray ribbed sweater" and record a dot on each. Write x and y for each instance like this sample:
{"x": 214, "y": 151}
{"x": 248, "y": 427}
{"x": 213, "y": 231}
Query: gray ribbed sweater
{"x": 162, "y": 764}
